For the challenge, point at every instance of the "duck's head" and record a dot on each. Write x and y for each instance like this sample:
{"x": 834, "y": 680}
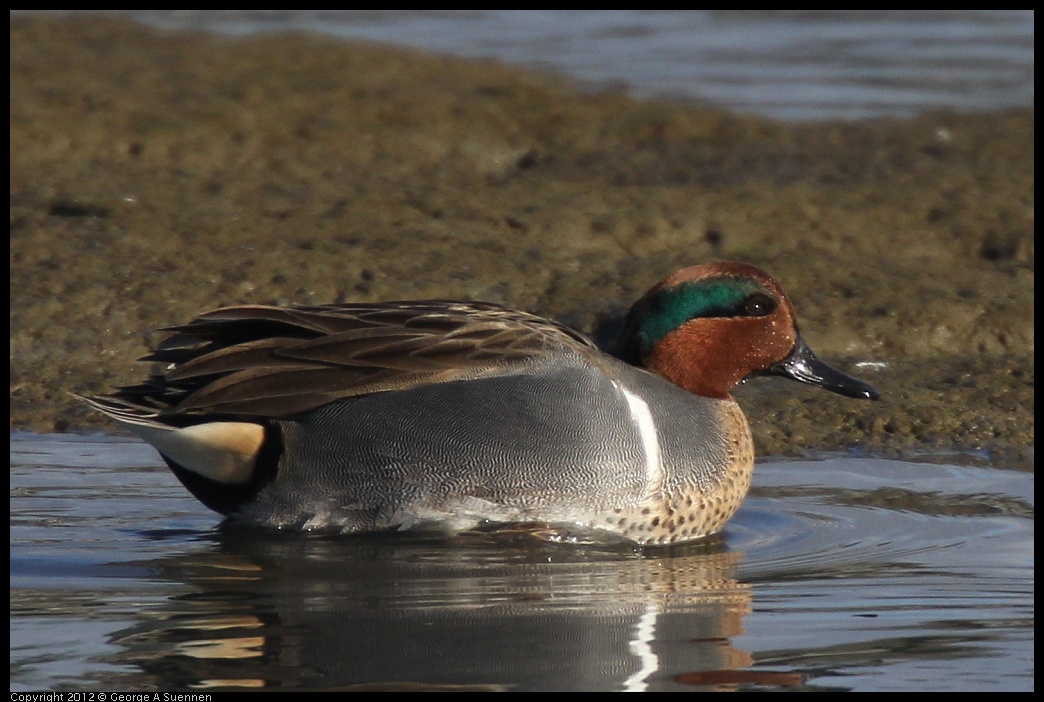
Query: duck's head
{"x": 710, "y": 327}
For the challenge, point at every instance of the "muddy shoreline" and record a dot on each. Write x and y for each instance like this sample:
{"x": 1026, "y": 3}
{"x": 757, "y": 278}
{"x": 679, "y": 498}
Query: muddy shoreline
{"x": 155, "y": 175}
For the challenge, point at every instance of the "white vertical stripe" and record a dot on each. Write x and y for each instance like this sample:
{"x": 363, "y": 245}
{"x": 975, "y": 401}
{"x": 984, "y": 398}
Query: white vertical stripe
{"x": 641, "y": 648}
{"x": 643, "y": 421}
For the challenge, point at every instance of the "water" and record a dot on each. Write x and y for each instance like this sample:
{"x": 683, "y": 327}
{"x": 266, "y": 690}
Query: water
{"x": 837, "y": 574}
{"x": 788, "y": 64}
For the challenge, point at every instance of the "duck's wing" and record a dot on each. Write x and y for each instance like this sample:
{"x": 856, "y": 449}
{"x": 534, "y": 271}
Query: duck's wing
{"x": 280, "y": 362}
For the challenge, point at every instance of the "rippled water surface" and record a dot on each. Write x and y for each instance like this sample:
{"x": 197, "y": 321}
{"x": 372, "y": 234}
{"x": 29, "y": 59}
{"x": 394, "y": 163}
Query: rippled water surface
{"x": 788, "y": 64}
{"x": 846, "y": 574}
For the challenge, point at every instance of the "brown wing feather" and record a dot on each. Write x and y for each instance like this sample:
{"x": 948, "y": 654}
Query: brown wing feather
{"x": 280, "y": 362}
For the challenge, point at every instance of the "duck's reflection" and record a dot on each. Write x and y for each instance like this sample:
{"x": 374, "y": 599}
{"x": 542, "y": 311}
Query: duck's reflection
{"x": 393, "y": 611}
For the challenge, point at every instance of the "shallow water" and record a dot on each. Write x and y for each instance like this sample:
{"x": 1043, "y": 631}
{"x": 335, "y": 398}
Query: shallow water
{"x": 787, "y": 64}
{"x": 841, "y": 573}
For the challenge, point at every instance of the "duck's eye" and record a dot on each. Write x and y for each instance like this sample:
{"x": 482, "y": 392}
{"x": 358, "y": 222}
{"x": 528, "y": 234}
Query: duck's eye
{"x": 759, "y": 305}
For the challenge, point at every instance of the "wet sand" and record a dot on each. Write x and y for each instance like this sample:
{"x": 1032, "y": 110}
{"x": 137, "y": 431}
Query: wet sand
{"x": 156, "y": 175}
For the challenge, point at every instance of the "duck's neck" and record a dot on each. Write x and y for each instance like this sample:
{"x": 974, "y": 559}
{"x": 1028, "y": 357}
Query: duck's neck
{"x": 697, "y": 360}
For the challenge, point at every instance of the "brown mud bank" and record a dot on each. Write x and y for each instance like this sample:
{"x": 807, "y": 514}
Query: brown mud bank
{"x": 156, "y": 175}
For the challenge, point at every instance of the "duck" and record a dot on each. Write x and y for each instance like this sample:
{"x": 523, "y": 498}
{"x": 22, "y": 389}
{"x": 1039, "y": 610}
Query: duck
{"x": 454, "y": 414}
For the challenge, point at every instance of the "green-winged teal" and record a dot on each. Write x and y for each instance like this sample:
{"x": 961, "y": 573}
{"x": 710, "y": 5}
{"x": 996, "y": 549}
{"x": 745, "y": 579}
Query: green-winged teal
{"x": 394, "y": 415}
